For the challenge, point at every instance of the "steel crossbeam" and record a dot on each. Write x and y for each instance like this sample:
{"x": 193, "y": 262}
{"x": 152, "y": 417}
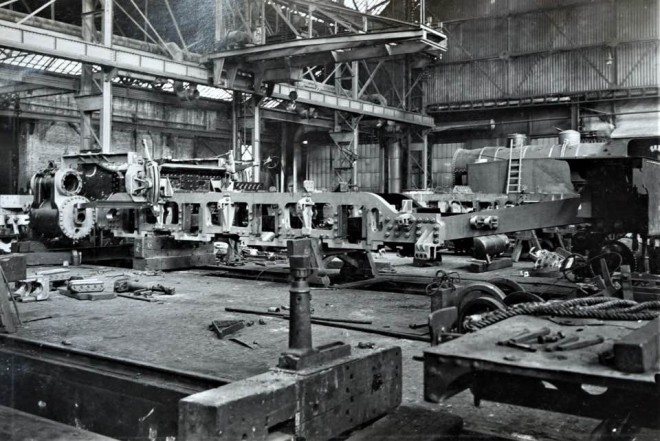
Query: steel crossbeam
{"x": 60, "y": 45}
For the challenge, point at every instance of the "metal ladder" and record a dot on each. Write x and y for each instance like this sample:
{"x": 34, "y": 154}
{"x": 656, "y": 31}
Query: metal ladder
{"x": 514, "y": 182}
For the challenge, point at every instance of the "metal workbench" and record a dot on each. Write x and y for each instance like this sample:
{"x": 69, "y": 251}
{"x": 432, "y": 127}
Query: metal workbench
{"x": 574, "y": 382}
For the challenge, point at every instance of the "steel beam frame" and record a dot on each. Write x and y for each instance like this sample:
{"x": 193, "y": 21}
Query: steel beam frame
{"x": 331, "y": 101}
{"x": 60, "y": 45}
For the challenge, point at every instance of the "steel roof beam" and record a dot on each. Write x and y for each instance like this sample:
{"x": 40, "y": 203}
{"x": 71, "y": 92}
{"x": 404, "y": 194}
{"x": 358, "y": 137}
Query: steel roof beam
{"x": 56, "y": 44}
{"x": 16, "y": 88}
{"x": 329, "y": 101}
{"x": 40, "y": 79}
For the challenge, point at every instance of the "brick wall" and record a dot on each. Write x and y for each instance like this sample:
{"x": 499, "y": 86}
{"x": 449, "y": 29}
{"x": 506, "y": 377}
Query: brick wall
{"x": 44, "y": 141}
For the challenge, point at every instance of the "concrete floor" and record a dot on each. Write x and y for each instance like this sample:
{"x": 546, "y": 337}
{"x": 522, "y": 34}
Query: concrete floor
{"x": 174, "y": 333}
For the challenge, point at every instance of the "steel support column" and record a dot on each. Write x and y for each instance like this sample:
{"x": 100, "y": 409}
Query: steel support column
{"x": 283, "y": 159}
{"x": 356, "y": 139}
{"x": 108, "y": 75}
{"x": 355, "y": 90}
{"x": 87, "y": 77}
{"x": 425, "y": 159}
{"x": 256, "y": 140}
{"x": 235, "y": 144}
{"x": 94, "y": 97}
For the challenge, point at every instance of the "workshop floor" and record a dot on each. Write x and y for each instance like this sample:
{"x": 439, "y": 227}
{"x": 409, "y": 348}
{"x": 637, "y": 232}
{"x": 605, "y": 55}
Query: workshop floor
{"x": 174, "y": 333}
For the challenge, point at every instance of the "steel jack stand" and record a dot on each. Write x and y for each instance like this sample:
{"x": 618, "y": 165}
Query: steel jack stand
{"x": 315, "y": 393}
{"x": 301, "y": 354}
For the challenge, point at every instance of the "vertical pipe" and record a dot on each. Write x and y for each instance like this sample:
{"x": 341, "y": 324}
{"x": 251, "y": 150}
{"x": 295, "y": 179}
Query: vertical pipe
{"x": 355, "y": 84}
{"x": 219, "y": 23}
{"x": 356, "y": 140}
{"x": 297, "y": 154}
{"x": 256, "y": 141}
{"x": 394, "y": 166}
{"x": 310, "y": 23}
{"x": 146, "y": 20}
{"x": 408, "y": 169}
{"x": 235, "y": 145}
{"x": 425, "y": 159}
{"x": 575, "y": 116}
{"x": 283, "y": 159}
{"x": 355, "y": 91}
{"x": 106, "y": 112}
{"x": 296, "y": 161}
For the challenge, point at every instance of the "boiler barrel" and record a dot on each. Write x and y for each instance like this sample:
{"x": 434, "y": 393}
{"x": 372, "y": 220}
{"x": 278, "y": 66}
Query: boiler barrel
{"x": 464, "y": 157}
{"x": 489, "y": 245}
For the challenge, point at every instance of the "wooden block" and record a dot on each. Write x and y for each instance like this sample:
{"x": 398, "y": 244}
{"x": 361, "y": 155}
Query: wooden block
{"x": 48, "y": 258}
{"x": 248, "y": 407}
{"x": 481, "y": 266}
{"x": 320, "y": 402}
{"x": 354, "y": 391}
{"x": 638, "y": 351}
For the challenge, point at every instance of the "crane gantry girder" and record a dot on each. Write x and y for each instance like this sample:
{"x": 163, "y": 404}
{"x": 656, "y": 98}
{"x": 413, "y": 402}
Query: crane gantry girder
{"x": 358, "y": 36}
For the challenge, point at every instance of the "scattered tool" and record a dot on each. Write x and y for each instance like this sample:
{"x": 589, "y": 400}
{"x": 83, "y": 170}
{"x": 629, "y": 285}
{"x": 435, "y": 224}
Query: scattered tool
{"x": 580, "y": 344}
{"x": 224, "y": 328}
{"x": 524, "y": 336}
{"x": 126, "y": 285}
{"x": 570, "y": 339}
{"x": 34, "y": 289}
{"x": 144, "y": 296}
{"x": 85, "y": 285}
{"x": 552, "y": 338}
{"x": 522, "y": 346}
{"x": 286, "y": 316}
{"x": 241, "y": 342}
{"x": 531, "y": 336}
{"x": 39, "y": 319}
{"x": 57, "y": 277}
{"x": 341, "y": 323}
{"x": 86, "y": 289}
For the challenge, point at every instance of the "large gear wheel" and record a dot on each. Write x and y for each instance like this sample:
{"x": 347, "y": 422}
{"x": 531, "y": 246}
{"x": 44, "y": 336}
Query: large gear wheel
{"x": 76, "y": 223}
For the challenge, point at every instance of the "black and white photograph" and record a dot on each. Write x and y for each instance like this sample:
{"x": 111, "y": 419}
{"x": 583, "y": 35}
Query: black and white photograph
{"x": 329, "y": 220}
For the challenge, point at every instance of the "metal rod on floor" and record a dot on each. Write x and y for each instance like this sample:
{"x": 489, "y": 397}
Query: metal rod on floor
{"x": 344, "y": 324}
{"x": 286, "y": 316}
